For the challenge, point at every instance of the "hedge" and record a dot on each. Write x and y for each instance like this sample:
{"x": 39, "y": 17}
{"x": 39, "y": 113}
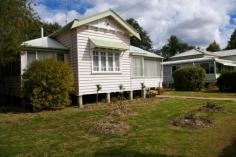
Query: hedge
{"x": 227, "y": 82}
{"x": 189, "y": 79}
{"x": 47, "y": 84}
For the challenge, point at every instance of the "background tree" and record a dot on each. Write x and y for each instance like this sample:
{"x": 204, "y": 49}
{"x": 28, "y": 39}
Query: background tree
{"x": 50, "y": 28}
{"x": 15, "y": 19}
{"x": 213, "y": 47}
{"x": 145, "y": 42}
{"x": 232, "y": 41}
{"x": 174, "y": 46}
{"x": 18, "y": 22}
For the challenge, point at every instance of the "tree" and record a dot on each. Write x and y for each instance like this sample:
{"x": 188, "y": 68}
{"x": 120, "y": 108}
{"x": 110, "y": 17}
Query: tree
{"x": 18, "y": 23}
{"x": 174, "y": 46}
{"x": 232, "y": 41}
{"x": 15, "y": 20}
{"x": 213, "y": 47}
{"x": 50, "y": 28}
{"x": 145, "y": 42}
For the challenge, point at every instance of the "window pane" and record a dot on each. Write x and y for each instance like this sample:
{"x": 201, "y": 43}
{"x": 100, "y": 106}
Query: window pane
{"x": 103, "y": 61}
{"x": 110, "y": 61}
{"x": 219, "y": 68}
{"x": 45, "y": 55}
{"x": 31, "y": 56}
{"x": 137, "y": 66}
{"x": 95, "y": 61}
{"x": 117, "y": 61}
{"x": 151, "y": 68}
{"x": 212, "y": 71}
{"x": 60, "y": 56}
{"x": 205, "y": 66}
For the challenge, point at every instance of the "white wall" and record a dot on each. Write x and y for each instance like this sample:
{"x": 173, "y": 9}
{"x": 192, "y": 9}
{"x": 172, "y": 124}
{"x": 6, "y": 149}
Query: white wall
{"x": 108, "y": 82}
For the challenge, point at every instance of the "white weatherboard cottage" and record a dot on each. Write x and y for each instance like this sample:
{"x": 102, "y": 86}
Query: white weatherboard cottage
{"x": 99, "y": 51}
{"x": 213, "y": 63}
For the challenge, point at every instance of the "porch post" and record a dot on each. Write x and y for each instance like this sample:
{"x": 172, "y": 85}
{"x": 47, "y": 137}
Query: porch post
{"x": 215, "y": 67}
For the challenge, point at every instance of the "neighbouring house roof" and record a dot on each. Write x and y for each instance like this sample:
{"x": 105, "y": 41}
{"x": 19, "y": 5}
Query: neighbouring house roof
{"x": 194, "y": 52}
{"x": 87, "y": 19}
{"x": 184, "y": 61}
{"x": 203, "y": 59}
{"x": 108, "y": 44}
{"x": 44, "y": 42}
{"x": 136, "y": 51}
{"x": 226, "y": 53}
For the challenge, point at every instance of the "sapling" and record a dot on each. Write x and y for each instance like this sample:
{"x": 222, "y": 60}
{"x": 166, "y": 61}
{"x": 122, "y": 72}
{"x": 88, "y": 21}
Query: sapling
{"x": 99, "y": 87}
{"x": 121, "y": 87}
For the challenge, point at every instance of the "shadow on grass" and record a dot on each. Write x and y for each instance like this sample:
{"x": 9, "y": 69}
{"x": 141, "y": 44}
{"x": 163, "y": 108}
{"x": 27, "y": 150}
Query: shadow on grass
{"x": 123, "y": 153}
{"x": 229, "y": 151}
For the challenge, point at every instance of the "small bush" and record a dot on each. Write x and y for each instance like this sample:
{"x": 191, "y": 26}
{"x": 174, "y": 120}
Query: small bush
{"x": 226, "y": 82}
{"x": 189, "y": 78}
{"x": 47, "y": 84}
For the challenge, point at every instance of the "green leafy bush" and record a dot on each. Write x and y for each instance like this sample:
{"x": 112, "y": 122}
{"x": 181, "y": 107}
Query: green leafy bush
{"x": 189, "y": 78}
{"x": 47, "y": 84}
{"x": 227, "y": 81}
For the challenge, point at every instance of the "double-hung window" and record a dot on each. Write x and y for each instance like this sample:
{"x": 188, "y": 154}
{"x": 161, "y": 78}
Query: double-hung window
{"x": 137, "y": 66}
{"x": 145, "y": 67}
{"x": 151, "y": 68}
{"x": 106, "y": 60}
{"x": 41, "y": 55}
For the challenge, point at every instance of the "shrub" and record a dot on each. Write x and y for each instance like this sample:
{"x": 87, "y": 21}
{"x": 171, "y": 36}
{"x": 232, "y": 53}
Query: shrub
{"x": 226, "y": 81}
{"x": 47, "y": 84}
{"x": 189, "y": 78}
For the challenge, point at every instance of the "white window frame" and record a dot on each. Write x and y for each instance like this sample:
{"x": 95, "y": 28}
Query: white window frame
{"x": 36, "y": 55}
{"x": 142, "y": 62}
{"x": 143, "y": 68}
{"x": 106, "y": 51}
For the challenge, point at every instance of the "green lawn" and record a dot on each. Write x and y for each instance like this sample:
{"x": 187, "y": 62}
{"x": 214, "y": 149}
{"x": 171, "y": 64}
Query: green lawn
{"x": 204, "y": 93}
{"x": 69, "y": 132}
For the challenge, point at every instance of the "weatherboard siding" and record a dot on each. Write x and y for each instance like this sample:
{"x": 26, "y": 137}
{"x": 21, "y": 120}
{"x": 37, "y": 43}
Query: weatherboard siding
{"x": 69, "y": 40}
{"x": 109, "y": 82}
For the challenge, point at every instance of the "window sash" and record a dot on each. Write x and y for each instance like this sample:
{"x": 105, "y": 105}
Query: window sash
{"x": 151, "y": 68}
{"x": 137, "y": 66}
{"x": 31, "y": 56}
{"x": 105, "y": 61}
{"x": 40, "y": 55}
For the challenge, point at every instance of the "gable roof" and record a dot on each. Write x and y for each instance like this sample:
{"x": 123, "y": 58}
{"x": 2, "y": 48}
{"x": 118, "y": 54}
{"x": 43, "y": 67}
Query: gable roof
{"x": 87, "y": 19}
{"x": 226, "y": 53}
{"x": 194, "y": 52}
{"x": 140, "y": 52}
{"x": 44, "y": 42}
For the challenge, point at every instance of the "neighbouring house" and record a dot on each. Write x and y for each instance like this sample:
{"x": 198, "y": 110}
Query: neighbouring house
{"x": 98, "y": 49}
{"x": 213, "y": 63}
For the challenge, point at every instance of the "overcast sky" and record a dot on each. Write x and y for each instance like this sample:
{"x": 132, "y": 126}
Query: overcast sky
{"x": 197, "y": 22}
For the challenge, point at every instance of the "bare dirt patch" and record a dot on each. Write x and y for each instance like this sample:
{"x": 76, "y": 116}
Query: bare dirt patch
{"x": 112, "y": 126}
{"x": 212, "y": 107}
{"x": 192, "y": 121}
{"x": 113, "y": 123}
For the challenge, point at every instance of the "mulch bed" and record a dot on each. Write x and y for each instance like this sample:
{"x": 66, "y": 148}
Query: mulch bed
{"x": 212, "y": 107}
{"x": 192, "y": 121}
{"x": 112, "y": 124}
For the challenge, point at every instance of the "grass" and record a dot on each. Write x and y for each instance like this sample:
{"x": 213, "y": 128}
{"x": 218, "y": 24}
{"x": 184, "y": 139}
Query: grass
{"x": 204, "y": 93}
{"x": 69, "y": 132}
